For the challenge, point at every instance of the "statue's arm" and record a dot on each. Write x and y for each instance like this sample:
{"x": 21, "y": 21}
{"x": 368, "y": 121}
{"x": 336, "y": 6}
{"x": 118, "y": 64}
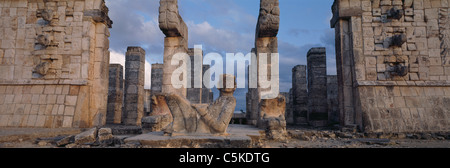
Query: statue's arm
{"x": 221, "y": 123}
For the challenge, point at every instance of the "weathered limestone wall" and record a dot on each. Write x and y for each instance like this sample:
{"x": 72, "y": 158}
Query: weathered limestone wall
{"x": 317, "y": 87}
{"x": 134, "y": 86}
{"x": 299, "y": 94}
{"x": 54, "y": 63}
{"x": 115, "y": 94}
{"x": 393, "y": 64}
{"x": 332, "y": 99}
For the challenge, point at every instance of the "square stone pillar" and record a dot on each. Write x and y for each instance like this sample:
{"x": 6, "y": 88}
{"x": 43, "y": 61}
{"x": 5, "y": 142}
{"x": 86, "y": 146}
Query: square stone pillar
{"x": 115, "y": 94}
{"x": 194, "y": 95}
{"x": 173, "y": 46}
{"x": 134, "y": 86}
{"x": 317, "y": 87}
{"x": 207, "y": 94}
{"x": 157, "y": 75}
{"x": 156, "y": 85}
{"x": 332, "y": 98}
{"x": 299, "y": 94}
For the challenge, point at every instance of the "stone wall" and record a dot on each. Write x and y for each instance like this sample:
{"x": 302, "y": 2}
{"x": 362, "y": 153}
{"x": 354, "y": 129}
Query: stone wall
{"x": 54, "y": 63}
{"x": 115, "y": 94}
{"x": 393, "y": 64}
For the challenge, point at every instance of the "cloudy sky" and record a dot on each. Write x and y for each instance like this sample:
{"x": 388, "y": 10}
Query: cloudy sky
{"x": 225, "y": 26}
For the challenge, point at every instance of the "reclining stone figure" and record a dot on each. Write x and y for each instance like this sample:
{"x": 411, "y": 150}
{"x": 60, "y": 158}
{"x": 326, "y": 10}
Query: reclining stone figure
{"x": 194, "y": 118}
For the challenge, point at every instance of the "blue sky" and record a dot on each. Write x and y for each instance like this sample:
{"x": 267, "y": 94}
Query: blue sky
{"x": 225, "y": 26}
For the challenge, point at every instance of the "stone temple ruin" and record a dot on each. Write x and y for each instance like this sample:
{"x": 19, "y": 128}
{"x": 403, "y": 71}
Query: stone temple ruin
{"x": 393, "y": 73}
{"x": 393, "y": 66}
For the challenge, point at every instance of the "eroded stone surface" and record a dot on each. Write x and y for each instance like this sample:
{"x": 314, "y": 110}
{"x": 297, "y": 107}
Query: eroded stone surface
{"x": 269, "y": 19}
{"x": 272, "y": 117}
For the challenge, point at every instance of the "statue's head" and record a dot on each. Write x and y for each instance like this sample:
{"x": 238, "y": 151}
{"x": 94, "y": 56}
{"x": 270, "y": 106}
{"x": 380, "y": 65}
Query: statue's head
{"x": 228, "y": 83}
{"x": 159, "y": 105}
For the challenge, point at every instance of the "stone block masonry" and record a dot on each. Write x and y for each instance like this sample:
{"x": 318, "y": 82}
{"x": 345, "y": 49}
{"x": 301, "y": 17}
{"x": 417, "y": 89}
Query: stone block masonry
{"x": 54, "y": 63}
{"x": 115, "y": 94}
{"x": 332, "y": 99}
{"x": 157, "y": 75}
{"x": 133, "y": 109}
{"x": 207, "y": 94}
{"x": 317, "y": 87}
{"x": 194, "y": 95}
{"x": 392, "y": 60}
{"x": 299, "y": 95}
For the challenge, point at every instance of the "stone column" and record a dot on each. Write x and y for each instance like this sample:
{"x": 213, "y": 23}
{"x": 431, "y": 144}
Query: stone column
{"x": 288, "y": 112}
{"x": 156, "y": 85}
{"x": 194, "y": 95}
{"x": 317, "y": 87}
{"x": 115, "y": 94}
{"x": 207, "y": 94}
{"x": 157, "y": 75}
{"x": 299, "y": 94}
{"x": 332, "y": 99}
{"x": 253, "y": 99}
{"x": 134, "y": 86}
{"x": 175, "y": 42}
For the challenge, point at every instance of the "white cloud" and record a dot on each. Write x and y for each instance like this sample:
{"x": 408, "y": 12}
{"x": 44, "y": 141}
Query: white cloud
{"x": 219, "y": 39}
{"x": 119, "y": 58}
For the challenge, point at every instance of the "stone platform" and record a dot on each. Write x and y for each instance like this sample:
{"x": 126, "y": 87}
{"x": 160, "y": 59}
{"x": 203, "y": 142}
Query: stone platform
{"x": 239, "y": 136}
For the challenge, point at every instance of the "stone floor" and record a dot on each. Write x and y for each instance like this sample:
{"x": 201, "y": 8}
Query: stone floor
{"x": 239, "y": 136}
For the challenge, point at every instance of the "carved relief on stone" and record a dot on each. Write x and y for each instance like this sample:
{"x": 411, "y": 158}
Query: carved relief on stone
{"x": 42, "y": 42}
{"x": 444, "y": 35}
{"x": 269, "y": 19}
{"x": 170, "y": 21}
{"x": 42, "y": 68}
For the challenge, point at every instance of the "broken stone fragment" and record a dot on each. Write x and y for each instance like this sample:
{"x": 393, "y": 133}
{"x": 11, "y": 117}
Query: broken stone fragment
{"x": 105, "y": 136}
{"x": 88, "y": 136}
{"x": 65, "y": 141}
